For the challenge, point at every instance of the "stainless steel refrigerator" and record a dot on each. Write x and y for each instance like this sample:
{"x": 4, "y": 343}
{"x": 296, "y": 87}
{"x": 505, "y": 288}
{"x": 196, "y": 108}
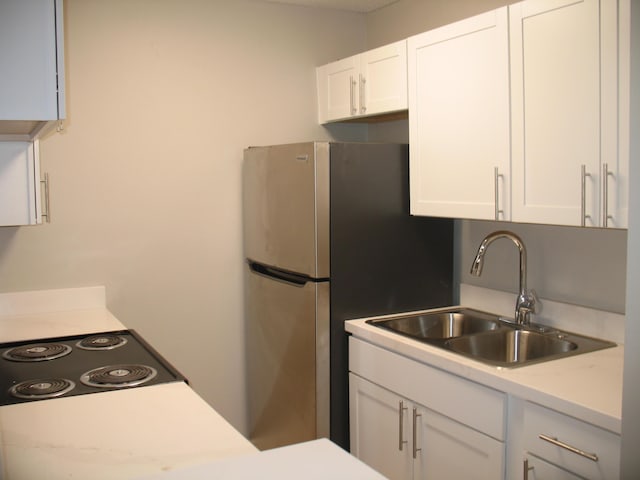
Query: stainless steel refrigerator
{"x": 327, "y": 238}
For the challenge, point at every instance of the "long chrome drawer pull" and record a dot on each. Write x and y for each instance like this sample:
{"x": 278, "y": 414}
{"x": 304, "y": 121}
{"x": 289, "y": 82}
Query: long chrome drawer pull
{"x": 46, "y": 213}
{"x": 591, "y": 456}
{"x": 605, "y": 195}
{"x": 363, "y": 104}
{"x": 496, "y": 186}
{"x": 527, "y": 469}
{"x": 583, "y": 199}
{"x": 415, "y": 432}
{"x": 352, "y": 95}
{"x": 401, "y": 440}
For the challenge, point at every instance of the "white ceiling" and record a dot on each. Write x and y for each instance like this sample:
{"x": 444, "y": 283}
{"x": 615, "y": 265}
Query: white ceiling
{"x": 362, "y": 6}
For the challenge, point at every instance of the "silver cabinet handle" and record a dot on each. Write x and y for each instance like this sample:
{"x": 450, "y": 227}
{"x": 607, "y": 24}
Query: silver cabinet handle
{"x": 401, "y": 410}
{"x": 527, "y": 468}
{"x": 363, "y": 106}
{"x": 583, "y": 192}
{"x": 415, "y": 432}
{"x": 605, "y": 195}
{"x": 352, "y": 95}
{"x": 591, "y": 456}
{"x": 496, "y": 181}
{"x": 47, "y": 213}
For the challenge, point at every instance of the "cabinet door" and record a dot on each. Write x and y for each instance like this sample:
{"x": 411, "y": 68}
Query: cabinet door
{"x": 19, "y": 183}
{"x": 380, "y": 432}
{"x": 459, "y": 119}
{"x": 537, "y": 469}
{"x": 338, "y": 89}
{"x": 448, "y": 449}
{"x": 28, "y": 55}
{"x": 555, "y": 75}
{"x": 383, "y": 81}
{"x": 388, "y": 431}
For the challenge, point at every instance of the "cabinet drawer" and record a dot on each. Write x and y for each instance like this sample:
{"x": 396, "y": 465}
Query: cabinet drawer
{"x": 479, "y": 407}
{"x": 602, "y": 445}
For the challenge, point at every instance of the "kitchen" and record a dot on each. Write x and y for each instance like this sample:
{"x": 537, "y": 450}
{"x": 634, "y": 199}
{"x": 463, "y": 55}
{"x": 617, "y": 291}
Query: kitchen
{"x": 162, "y": 99}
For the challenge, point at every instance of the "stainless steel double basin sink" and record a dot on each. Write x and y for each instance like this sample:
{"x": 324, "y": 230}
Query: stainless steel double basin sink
{"x": 489, "y": 338}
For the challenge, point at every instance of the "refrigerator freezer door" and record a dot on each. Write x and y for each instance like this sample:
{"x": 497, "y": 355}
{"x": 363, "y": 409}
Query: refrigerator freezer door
{"x": 286, "y": 207}
{"x": 287, "y": 334}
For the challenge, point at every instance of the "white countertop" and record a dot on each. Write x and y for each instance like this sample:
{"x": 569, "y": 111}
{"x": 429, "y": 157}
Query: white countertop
{"x": 315, "y": 460}
{"x": 587, "y": 386}
{"x": 115, "y": 434}
{"x": 107, "y": 435}
{"x": 162, "y": 431}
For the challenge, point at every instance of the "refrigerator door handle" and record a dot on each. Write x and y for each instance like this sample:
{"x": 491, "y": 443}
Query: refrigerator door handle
{"x": 277, "y": 274}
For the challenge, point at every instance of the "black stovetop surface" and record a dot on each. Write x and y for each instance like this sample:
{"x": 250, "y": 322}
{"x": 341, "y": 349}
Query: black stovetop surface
{"x": 135, "y": 351}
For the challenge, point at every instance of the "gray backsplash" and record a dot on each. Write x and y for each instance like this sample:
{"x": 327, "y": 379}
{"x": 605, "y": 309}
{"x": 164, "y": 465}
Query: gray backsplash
{"x": 581, "y": 266}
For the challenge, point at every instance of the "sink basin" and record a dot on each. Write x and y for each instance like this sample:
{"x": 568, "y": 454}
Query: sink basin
{"x": 487, "y": 338}
{"x": 441, "y": 324}
{"x": 512, "y": 346}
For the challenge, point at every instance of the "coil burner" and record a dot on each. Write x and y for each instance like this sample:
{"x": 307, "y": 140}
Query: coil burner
{"x": 42, "y": 388}
{"x": 79, "y": 364}
{"x": 105, "y": 341}
{"x": 118, "y": 376}
{"x": 37, "y": 352}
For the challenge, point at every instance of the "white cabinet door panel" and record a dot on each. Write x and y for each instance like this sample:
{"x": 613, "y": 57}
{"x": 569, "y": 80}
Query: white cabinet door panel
{"x": 28, "y": 54}
{"x": 383, "y": 85}
{"x": 459, "y": 118}
{"x": 449, "y": 449}
{"x": 341, "y": 87}
{"x": 555, "y": 75}
{"x": 19, "y": 183}
{"x": 376, "y": 422}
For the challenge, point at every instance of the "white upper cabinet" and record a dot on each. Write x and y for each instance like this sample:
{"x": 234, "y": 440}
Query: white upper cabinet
{"x": 564, "y": 90}
{"x": 521, "y": 114}
{"x": 19, "y": 184}
{"x": 368, "y": 84}
{"x": 459, "y": 119}
{"x": 31, "y": 55}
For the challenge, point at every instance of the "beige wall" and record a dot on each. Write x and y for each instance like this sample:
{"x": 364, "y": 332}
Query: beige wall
{"x": 163, "y": 95}
{"x": 409, "y": 17}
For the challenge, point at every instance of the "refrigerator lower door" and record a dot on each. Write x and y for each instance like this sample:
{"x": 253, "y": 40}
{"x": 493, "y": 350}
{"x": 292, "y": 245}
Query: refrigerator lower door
{"x": 287, "y": 334}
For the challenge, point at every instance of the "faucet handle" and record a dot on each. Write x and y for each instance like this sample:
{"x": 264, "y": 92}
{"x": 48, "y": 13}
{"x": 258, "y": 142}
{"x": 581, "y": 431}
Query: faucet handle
{"x": 526, "y": 304}
{"x": 533, "y": 303}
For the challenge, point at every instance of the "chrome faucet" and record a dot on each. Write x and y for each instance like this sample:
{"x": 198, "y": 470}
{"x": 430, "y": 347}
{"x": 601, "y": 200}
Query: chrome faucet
{"x": 526, "y": 301}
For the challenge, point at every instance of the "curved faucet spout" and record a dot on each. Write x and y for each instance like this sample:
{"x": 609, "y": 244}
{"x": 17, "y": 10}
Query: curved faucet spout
{"x": 526, "y": 301}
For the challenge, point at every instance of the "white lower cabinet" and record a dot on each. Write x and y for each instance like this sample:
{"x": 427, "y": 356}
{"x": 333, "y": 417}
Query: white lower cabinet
{"x": 409, "y": 420}
{"x": 560, "y": 446}
{"x": 404, "y": 440}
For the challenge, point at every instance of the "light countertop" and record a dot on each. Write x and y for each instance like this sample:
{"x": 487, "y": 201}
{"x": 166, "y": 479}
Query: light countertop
{"x": 107, "y": 435}
{"x": 315, "y": 460}
{"x": 115, "y": 434}
{"x": 587, "y": 386}
{"x": 162, "y": 431}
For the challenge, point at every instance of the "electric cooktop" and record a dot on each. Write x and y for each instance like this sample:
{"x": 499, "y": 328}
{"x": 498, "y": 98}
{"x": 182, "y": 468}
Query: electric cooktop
{"x": 75, "y": 365}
